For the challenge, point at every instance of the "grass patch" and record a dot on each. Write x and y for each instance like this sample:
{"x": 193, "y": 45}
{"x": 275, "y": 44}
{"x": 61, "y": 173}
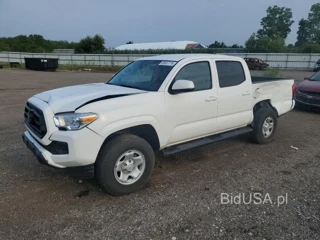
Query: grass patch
{"x": 7, "y": 65}
{"x": 272, "y": 73}
{"x": 75, "y": 67}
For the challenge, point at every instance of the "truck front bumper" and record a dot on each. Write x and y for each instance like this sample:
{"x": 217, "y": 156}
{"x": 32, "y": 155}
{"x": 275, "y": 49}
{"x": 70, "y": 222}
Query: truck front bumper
{"x": 26, "y": 138}
{"x": 77, "y": 158}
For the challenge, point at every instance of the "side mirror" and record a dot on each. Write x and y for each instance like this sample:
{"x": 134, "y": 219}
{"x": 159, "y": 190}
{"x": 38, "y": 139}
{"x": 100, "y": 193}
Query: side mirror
{"x": 181, "y": 86}
{"x": 306, "y": 78}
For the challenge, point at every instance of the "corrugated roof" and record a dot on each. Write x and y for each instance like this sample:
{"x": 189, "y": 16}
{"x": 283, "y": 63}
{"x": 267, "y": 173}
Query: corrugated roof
{"x": 191, "y": 45}
{"x": 157, "y": 45}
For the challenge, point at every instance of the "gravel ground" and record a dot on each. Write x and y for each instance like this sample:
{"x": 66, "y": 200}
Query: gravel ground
{"x": 183, "y": 198}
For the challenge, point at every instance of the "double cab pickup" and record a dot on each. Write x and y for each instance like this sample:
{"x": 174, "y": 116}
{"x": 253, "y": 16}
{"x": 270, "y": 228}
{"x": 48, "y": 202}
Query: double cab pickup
{"x": 166, "y": 103}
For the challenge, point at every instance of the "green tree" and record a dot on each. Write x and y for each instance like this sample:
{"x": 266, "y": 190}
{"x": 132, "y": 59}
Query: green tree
{"x": 310, "y": 48}
{"x": 304, "y": 34}
{"x": 33, "y": 43}
{"x": 271, "y": 45}
{"x": 91, "y": 45}
{"x": 314, "y": 21}
{"x": 217, "y": 44}
{"x": 309, "y": 29}
{"x": 277, "y": 23}
{"x": 4, "y": 46}
{"x": 236, "y": 46}
{"x": 251, "y": 43}
{"x": 275, "y": 28}
{"x": 257, "y": 43}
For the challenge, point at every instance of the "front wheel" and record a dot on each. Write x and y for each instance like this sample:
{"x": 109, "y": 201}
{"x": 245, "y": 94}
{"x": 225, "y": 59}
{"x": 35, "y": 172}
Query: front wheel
{"x": 125, "y": 164}
{"x": 264, "y": 125}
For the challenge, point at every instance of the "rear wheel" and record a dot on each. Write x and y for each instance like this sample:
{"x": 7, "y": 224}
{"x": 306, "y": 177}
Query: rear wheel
{"x": 264, "y": 125}
{"x": 125, "y": 164}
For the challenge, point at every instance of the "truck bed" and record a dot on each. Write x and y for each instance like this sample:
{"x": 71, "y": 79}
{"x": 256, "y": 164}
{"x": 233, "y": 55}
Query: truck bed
{"x": 265, "y": 79}
{"x": 276, "y": 90}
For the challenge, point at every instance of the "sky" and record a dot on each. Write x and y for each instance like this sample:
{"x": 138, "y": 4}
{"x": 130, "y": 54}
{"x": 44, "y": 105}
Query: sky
{"x": 120, "y": 21}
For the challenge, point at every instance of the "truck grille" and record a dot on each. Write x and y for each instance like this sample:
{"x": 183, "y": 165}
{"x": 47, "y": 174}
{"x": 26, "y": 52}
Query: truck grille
{"x": 34, "y": 119}
{"x": 308, "y": 100}
{"x": 313, "y": 94}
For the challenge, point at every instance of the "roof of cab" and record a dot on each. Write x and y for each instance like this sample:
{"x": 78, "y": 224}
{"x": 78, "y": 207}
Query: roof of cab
{"x": 178, "y": 57}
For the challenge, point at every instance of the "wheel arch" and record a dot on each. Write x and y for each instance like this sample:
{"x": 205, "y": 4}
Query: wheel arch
{"x": 145, "y": 131}
{"x": 264, "y": 103}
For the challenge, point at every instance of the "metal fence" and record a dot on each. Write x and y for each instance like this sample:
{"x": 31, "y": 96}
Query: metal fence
{"x": 275, "y": 60}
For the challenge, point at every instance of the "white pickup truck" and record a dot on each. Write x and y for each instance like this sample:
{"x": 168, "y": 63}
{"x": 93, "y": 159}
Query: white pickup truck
{"x": 166, "y": 103}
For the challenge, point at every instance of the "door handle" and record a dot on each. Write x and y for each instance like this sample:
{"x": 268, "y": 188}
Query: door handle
{"x": 210, "y": 99}
{"x": 246, "y": 93}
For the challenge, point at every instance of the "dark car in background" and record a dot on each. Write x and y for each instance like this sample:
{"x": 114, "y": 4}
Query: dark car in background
{"x": 256, "y": 63}
{"x": 317, "y": 66}
{"x": 308, "y": 92}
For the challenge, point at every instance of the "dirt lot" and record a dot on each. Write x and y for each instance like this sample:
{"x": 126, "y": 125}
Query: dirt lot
{"x": 183, "y": 198}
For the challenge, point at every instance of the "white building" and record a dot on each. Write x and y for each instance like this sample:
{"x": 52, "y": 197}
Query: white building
{"x": 180, "y": 45}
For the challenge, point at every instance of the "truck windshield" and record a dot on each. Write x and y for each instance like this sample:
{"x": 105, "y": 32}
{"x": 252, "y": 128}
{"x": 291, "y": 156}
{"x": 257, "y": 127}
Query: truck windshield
{"x": 146, "y": 75}
{"x": 315, "y": 77}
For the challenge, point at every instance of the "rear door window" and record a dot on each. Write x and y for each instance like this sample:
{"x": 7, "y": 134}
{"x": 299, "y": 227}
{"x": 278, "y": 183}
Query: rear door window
{"x": 230, "y": 73}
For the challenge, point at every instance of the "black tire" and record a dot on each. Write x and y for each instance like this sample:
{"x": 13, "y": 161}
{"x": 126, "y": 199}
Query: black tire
{"x": 260, "y": 117}
{"x": 107, "y": 159}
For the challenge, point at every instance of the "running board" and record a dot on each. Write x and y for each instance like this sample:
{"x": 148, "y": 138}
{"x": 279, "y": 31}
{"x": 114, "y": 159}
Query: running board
{"x": 204, "y": 141}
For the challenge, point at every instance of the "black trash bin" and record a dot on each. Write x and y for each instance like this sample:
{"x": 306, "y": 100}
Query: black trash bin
{"x": 41, "y": 64}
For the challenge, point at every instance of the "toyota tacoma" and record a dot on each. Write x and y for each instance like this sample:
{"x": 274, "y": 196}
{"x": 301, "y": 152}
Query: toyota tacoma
{"x": 167, "y": 103}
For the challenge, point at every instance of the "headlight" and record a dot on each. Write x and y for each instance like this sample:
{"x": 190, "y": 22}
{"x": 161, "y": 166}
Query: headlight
{"x": 74, "y": 121}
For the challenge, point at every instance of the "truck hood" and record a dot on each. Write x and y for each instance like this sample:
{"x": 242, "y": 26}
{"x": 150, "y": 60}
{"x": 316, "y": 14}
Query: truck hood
{"x": 309, "y": 86}
{"x": 68, "y": 99}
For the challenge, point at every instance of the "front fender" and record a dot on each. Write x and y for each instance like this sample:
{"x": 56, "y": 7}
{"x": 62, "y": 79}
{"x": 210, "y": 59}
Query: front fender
{"x": 122, "y": 124}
